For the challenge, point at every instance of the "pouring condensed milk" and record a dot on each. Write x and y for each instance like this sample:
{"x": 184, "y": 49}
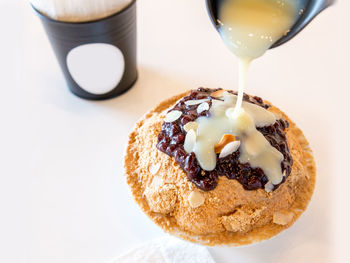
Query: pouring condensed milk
{"x": 214, "y": 168}
{"x": 248, "y": 28}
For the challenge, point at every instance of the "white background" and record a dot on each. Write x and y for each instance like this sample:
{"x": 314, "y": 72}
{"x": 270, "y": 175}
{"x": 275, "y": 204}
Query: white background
{"x": 63, "y": 197}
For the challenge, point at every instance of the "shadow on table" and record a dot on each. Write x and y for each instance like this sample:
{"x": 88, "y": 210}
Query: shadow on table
{"x": 152, "y": 87}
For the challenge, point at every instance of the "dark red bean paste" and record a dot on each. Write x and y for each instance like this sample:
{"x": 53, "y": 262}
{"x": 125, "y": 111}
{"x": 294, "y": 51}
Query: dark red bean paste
{"x": 172, "y": 136}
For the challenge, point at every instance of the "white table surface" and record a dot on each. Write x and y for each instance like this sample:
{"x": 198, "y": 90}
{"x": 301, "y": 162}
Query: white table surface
{"x": 63, "y": 197}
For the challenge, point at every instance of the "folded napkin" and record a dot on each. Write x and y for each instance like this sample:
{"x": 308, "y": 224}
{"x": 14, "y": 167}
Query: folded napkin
{"x": 167, "y": 250}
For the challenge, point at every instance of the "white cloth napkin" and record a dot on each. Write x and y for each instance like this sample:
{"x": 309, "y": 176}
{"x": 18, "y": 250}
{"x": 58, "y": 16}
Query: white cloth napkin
{"x": 167, "y": 250}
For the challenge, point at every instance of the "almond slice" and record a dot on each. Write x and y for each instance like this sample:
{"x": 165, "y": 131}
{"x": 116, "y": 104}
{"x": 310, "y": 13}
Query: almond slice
{"x": 282, "y": 217}
{"x": 190, "y": 141}
{"x": 229, "y": 149}
{"x": 269, "y": 187}
{"x": 196, "y": 199}
{"x": 227, "y": 138}
{"x": 202, "y": 107}
{"x": 195, "y": 102}
{"x": 172, "y": 116}
{"x": 154, "y": 168}
{"x": 191, "y": 126}
{"x": 218, "y": 94}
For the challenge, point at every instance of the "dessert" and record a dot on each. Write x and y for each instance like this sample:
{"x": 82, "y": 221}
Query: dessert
{"x": 226, "y": 193}
{"x": 219, "y": 167}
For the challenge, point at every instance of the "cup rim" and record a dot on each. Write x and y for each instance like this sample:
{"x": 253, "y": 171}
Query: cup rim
{"x": 43, "y": 16}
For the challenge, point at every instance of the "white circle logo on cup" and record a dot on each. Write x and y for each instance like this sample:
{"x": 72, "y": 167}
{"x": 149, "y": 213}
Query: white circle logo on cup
{"x": 97, "y": 68}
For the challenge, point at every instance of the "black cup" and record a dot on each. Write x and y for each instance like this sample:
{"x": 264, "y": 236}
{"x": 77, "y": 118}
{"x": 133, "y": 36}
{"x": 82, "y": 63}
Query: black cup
{"x": 97, "y": 58}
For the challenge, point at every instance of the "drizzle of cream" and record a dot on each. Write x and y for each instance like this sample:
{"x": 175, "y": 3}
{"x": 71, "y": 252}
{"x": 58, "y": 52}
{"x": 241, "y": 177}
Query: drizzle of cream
{"x": 248, "y": 28}
{"x": 254, "y": 148}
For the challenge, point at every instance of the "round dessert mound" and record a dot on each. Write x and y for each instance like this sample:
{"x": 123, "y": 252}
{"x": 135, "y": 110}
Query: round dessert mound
{"x": 171, "y": 141}
{"x": 229, "y": 213}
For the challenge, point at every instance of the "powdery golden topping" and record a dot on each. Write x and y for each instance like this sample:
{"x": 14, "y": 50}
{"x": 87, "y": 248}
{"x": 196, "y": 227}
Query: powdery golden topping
{"x": 229, "y": 214}
{"x": 242, "y": 219}
{"x": 160, "y": 197}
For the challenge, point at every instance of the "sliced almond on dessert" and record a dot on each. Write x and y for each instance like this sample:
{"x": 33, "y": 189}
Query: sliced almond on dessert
{"x": 269, "y": 187}
{"x": 190, "y": 141}
{"x": 226, "y": 139}
{"x": 202, "y": 107}
{"x": 196, "y": 199}
{"x": 172, "y": 116}
{"x": 191, "y": 126}
{"x": 229, "y": 149}
{"x": 218, "y": 93}
{"x": 195, "y": 102}
{"x": 282, "y": 217}
{"x": 154, "y": 168}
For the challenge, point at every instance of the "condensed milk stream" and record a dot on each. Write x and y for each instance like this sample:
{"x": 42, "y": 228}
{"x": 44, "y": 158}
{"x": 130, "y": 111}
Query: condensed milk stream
{"x": 248, "y": 28}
